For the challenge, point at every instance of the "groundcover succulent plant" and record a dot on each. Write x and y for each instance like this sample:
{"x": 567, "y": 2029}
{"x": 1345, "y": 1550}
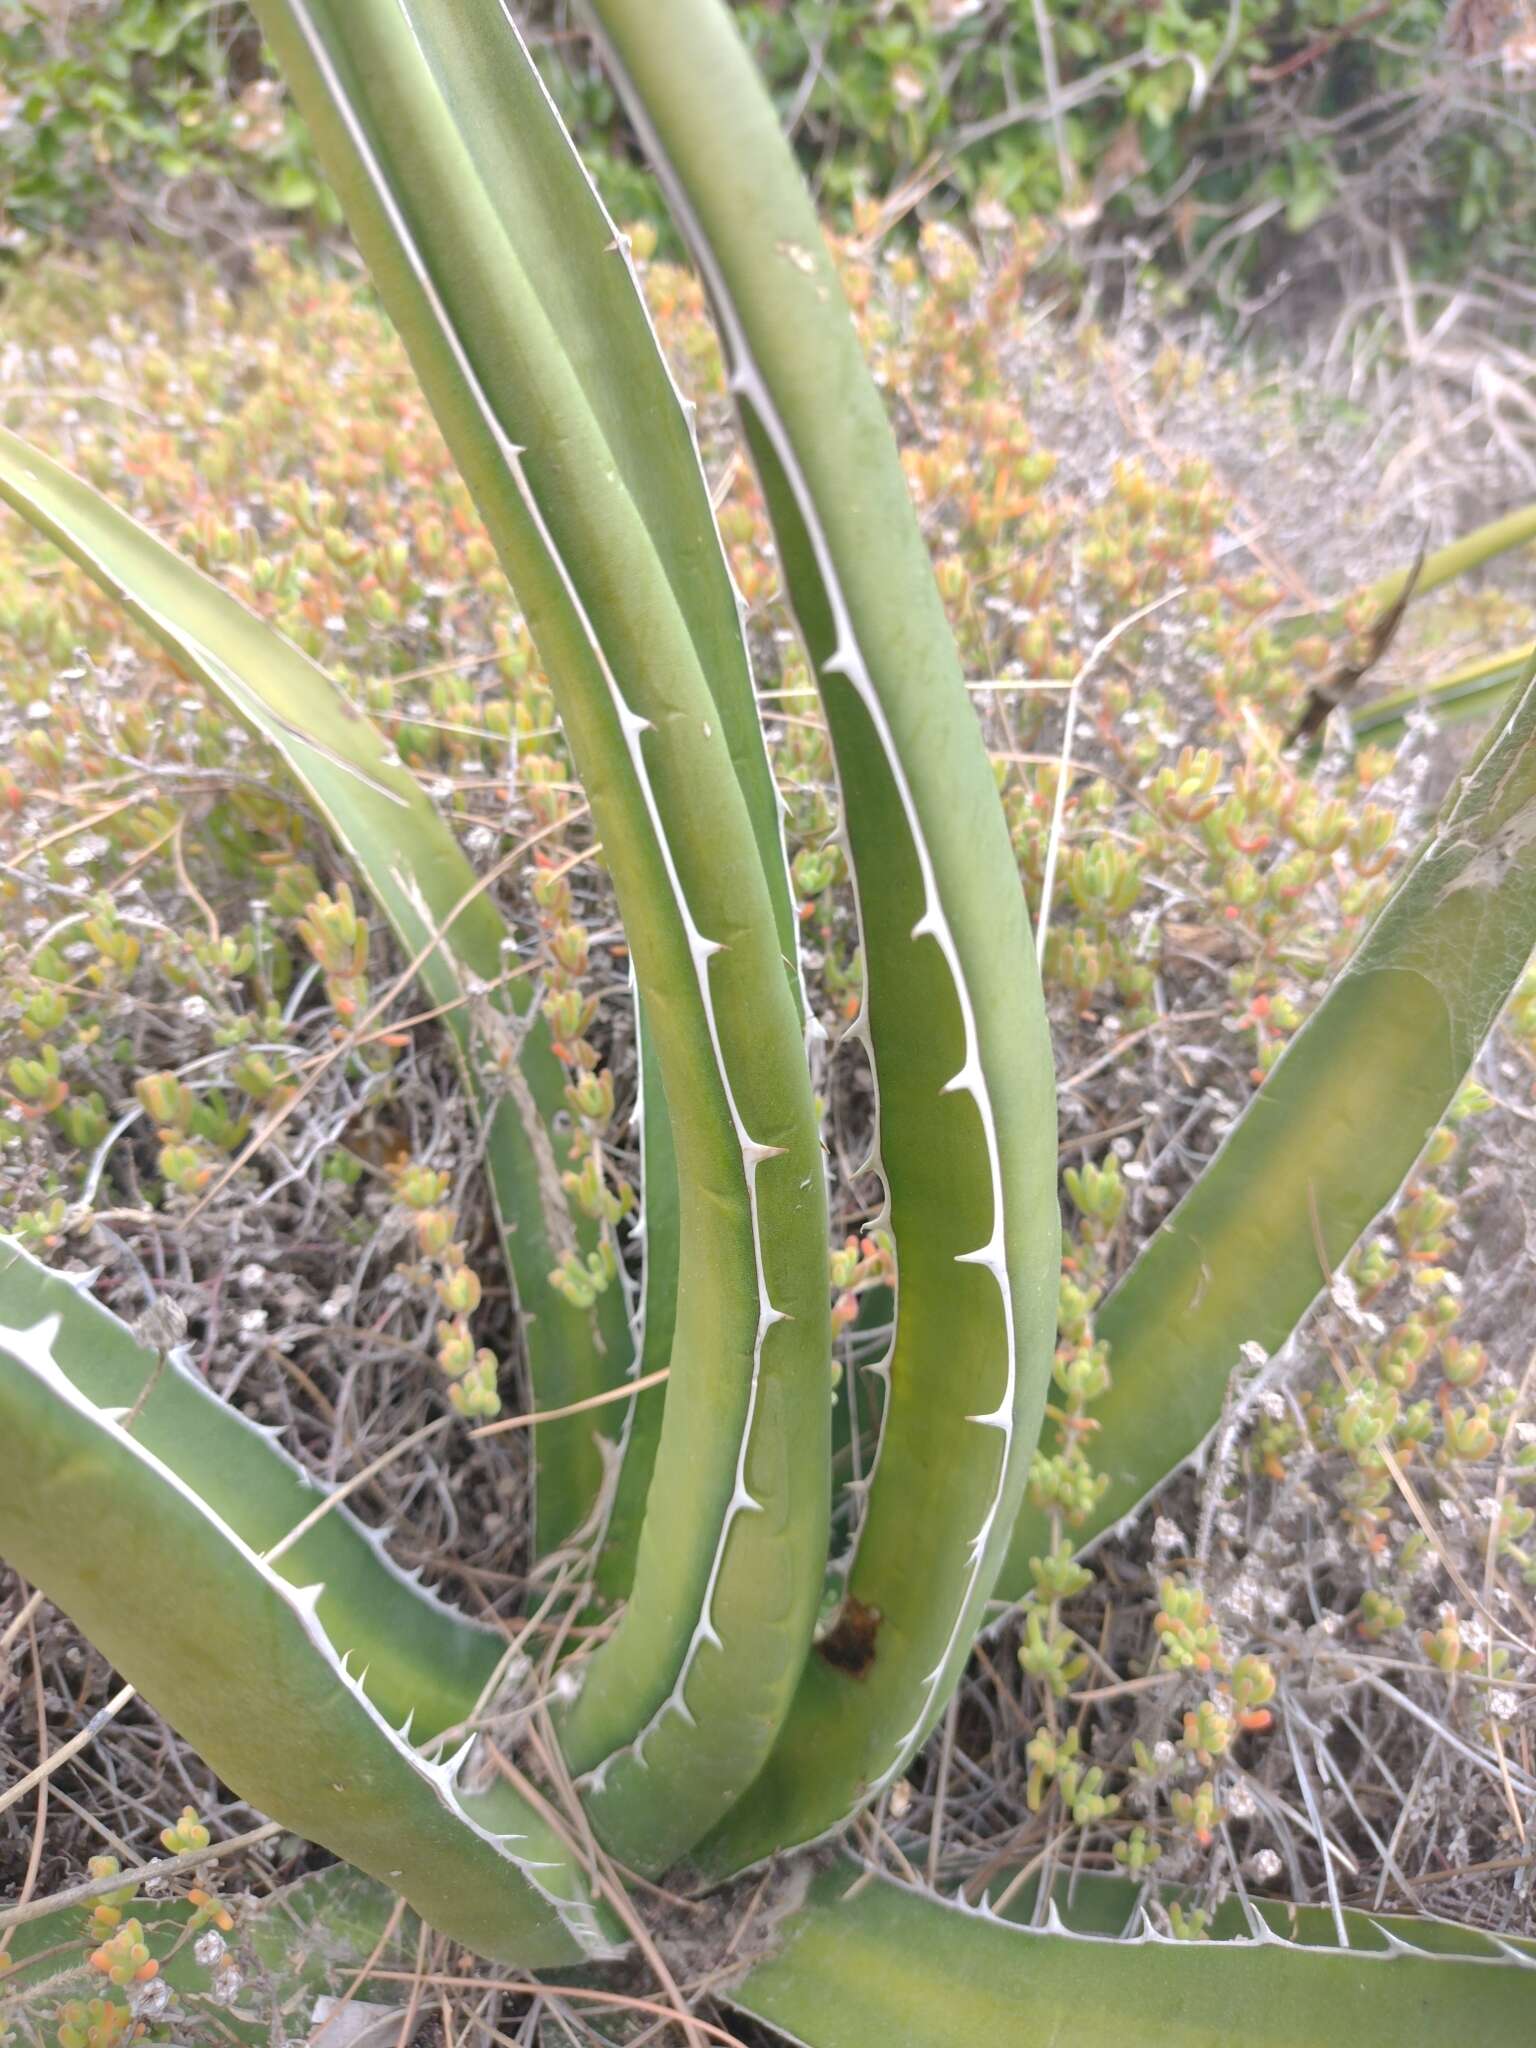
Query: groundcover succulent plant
{"x": 750, "y": 1699}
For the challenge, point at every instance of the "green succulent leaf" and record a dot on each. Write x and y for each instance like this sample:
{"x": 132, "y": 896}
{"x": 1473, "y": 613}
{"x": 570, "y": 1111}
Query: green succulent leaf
{"x": 425, "y": 1662}
{"x": 867, "y": 1962}
{"x": 252, "y": 1664}
{"x": 1325, "y": 1144}
{"x": 862, "y": 1962}
{"x": 517, "y": 303}
{"x": 952, "y": 1025}
{"x": 446, "y": 924}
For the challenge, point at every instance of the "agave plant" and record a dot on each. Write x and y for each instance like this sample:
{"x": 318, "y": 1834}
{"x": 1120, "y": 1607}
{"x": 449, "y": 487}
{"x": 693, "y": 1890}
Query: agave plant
{"x": 750, "y": 1698}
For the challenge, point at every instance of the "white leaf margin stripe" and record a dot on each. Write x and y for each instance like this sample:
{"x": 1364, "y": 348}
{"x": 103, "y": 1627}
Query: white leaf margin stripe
{"x": 33, "y": 1349}
{"x": 179, "y": 1361}
{"x": 858, "y": 1033}
{"x": 631, "y": 726}
{"x": 1149, "y": 1935}
{"x": 287, "y": 741}
{"x": 814, "y": 1028}
{"x": 636, "y": 1291}
{"x": 434, "y": 936}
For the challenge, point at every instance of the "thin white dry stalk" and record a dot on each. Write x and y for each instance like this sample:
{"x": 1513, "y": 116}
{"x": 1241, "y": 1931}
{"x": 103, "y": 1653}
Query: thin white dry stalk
{"x": 139, "y": 1874}
{"x": 66, "y": 1750}
{"x": 1095, "y": 655}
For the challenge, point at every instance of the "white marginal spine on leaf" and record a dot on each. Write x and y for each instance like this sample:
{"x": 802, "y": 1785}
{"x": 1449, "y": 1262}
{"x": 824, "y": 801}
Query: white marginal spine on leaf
{"x": 631, "y": 726}
{"x": 637, "y": 1295}
{"x": 639, "y": 1232}
{"x": 701, "y": 950}
{"x": 261, "y": 713}
{"x": 847, "y": 661}
{"x": 33, "y": 1350}
{"x": 1148, "y": 1934}
{"x": 481, "y": 1098}
{"x": 258, "y": 710}
{"x": 168, "y": 628}
{"x": 287, "y": 742}
{"x": 1521, "y": 1956}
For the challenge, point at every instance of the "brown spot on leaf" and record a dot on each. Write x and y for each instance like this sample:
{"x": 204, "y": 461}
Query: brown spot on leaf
{"x": 849, "y": 1645}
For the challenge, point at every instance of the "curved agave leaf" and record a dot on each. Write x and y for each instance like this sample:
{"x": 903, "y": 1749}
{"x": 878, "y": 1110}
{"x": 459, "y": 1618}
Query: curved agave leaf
{"x": 1446, "y": 565}
{"x": 1458, "y": 558}
{"x": 425, "y": 1662}
{"x": 416, "y": 872}
{"x": 316, "y": 1936}
{"x": 1376, "y": 613}
{"x": 235, "y": 1651}
{"x": 1467, "y": 692}
{"x": 863, "y": 1967}
{"x": 521, "y": 315}
{"x": 953, "y": 1023}
{"x": 1091, "y": 1904}
{"x": 1327, "y": 1141}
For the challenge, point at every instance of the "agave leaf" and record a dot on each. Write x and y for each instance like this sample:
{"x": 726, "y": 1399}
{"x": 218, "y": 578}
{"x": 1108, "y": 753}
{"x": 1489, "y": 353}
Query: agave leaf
{"x": 237, "y": 1654}
{"x": 320, "y": 1934}
{"x": 1383, "y": 605}
{"x": 416, "y": 872}
{"x": 1327, "y": 1141}
{"x": 952, "y": 1024}
{"x": 1088, "y": 1903}
{"x": 1457, "y": 559}
{"x": 1431, "y": 572}
{"x": 515, "y": 299}
{"x": 862, "y": 1967}
{"x": 423, "y": 1659}
{"x": 1466, "y": 692}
